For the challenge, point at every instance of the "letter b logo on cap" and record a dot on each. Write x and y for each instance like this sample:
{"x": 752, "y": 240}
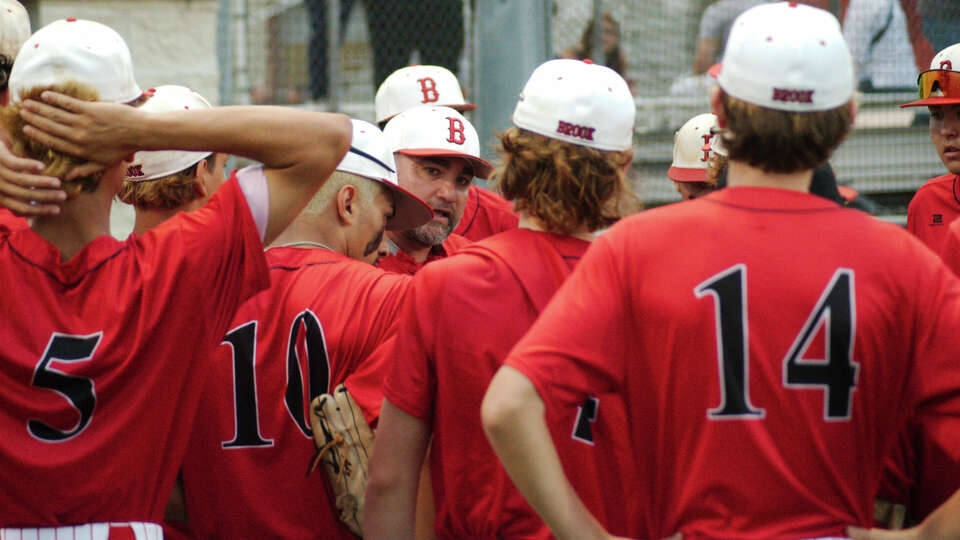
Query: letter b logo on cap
{"x": 429, "y": 89}
{"x": 456, "y": 131}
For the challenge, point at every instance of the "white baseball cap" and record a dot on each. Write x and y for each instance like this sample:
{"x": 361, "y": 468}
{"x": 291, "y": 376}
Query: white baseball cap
{"x": 940, "y": 85}
{"x": 150, "y": 165}
{"x": 436, "y": 132}
{"x": 370, "y": 157}
{"x": 76, "y": 50}
{"x": 578, "y": 102}
{"x": 14, "y": 27}
{"x": 414, "y": 86}
{"x": 789, "y": 57}
{"x": 694, "y": 147}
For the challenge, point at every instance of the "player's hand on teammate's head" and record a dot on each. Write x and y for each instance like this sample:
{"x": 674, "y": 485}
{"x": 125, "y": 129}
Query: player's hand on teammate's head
{"x": 94, "y": 130}
{"x": 24, "y": 189}
{"x": 856, "y": 533}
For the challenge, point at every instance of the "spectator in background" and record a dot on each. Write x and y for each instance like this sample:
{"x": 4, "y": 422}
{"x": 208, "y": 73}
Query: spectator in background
{"x": 399, "y": 27}
{"x": 876, "y": 32}
{"x": 612, "y": 55}
{"x": 714, "y": 28}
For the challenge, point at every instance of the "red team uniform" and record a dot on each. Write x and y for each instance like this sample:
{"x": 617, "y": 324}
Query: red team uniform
{"x": 323, "y": 315}
{"x": 753, "y": 412}
{"x": 486, "y": 214}
{"x": 461, "y": 317}
{"x": 933, "y": 208}
{"x": 402, "y": 263}
{"x": 99, "y": 368}
{"x": 11, "y": 222}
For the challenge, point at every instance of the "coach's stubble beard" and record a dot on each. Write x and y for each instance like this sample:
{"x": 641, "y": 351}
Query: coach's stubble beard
{"x": 433, "y": 233}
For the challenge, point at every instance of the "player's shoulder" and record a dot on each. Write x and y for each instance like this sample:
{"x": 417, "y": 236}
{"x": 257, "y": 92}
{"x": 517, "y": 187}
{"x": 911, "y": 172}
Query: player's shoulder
{"x": 454, "y": 242}
{"x": 941, "y": 182}
{"x": 490, "y": 200}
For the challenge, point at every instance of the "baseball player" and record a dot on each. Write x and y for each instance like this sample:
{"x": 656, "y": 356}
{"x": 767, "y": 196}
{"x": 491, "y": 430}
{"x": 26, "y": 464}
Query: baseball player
{"x": 326, "y": 310}
{"x": 697, "y": 157}
{"x": 485, "y": 212}
{"x": 437, "y": 153}
{"x": 464, "y": 313}
{"x": 936, "y": 203}
{"x": 100, "y": 335}
{"x": 761, "y": 381}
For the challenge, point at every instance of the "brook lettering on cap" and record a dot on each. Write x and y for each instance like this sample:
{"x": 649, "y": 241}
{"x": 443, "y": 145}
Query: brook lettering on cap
{"x": 795, "y": 96}
{"x": 574, "y": 130}
{"x": 134, "y": 171}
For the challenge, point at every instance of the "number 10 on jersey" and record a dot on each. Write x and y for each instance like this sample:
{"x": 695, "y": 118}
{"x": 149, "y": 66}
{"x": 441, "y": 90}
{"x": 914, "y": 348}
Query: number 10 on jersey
{"x": 836, "y": 374}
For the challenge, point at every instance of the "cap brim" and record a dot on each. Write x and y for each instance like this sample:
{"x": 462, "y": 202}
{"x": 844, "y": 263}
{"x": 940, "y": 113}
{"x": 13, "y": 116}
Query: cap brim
{"x": 680, "y": 174}
{"x": 409, "y": 210}
{"x": 482, "y": 168}
{"x": 932, "y": 101}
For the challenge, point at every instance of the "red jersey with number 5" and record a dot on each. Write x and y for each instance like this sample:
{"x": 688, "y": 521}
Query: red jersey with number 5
{"x": 768, "y": 343}
{"x": 244, "y": 473}
{"x": 98, "y": 360}
{"x": 462, "y": 316}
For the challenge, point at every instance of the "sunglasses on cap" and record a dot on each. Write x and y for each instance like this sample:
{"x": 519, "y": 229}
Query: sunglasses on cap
{"x": 939, "y": 83}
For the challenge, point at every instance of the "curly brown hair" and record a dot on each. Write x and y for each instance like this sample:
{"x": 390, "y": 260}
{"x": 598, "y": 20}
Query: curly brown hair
{"x": 781, "y": 141}
{"x": 169, "y": 192}
{"x": 566, "y": 186}
{"x": 57, "y": 163}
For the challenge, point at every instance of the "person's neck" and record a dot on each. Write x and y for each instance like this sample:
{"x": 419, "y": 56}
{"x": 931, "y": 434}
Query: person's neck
{"x": 318, "y": 234}
{"x": 416, "y": 250}
{"x": 148, "y": 218}
{"x": 742, "y": 174}
{"x": 78, "y": 223}
{"x": 529, "y": 222}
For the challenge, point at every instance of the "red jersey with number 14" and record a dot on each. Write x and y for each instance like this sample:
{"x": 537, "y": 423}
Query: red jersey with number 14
{"x": 765, "y": 370}
{"x": 99, "y": 366}
{"x": 462, "y": 316}
{"x": 244, "y": 472}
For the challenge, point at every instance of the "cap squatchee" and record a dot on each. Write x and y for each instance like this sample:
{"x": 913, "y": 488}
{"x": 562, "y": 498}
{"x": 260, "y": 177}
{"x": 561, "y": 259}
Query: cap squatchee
{"x": 695, "y": 145}
{"x": 578, "y": 102}
{"x": 436, "y": 132}
{"x": 370, "y": 157}
{"x": 151, "y": 165}
{"x": 789, "y": 57}
{"x": 940, "y": 85}
{"x": 87, "y": 52}
{"x": 414, "y": 86}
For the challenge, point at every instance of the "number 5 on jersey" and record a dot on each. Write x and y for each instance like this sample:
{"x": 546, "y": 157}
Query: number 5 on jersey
{"x": 836, "y": 373}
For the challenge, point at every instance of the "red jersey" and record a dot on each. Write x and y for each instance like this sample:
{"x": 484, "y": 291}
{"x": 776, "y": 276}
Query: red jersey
{"x": 486, "y": 214}
{"x": 461, "y": 317}
{"x": 934, "y": 206}
{"x": 402, "y": 263}
{"x": 765, "y": 370}
{"x": 11, "y": 222}
{"x": 243, "y": 475}
{"x": 99, "y": 372}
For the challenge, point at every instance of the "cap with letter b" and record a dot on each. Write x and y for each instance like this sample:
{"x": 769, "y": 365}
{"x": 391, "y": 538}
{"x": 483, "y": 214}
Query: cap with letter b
{"x": 415, "y": 86}
{"x": 436, "y": 132}
{"x": 940, "y": 85}
{"x": 789, "y": 57}
{"x": 578, "y": 102}
{"x": 695, "y": 145}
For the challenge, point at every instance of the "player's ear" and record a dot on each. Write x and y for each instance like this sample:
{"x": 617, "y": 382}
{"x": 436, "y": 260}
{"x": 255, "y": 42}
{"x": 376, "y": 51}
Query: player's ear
{"x": 347, "y": 209}
{"x": 627, "y": 160}
{"x": 716, "y": 103}
{"x": 202, "y": 177}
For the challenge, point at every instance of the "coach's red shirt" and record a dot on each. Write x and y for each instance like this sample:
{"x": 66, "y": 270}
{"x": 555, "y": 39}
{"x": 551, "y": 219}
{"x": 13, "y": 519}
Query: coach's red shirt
{"x": 765, "y": 370}
{"x": 933, "y": 207}
{"x": 402, "y": 263}
{"x": 244, "y": 472}
{"x": 99, "y": 367}
{"x": 486, "y": 214}
{"x": 461, "y": 317}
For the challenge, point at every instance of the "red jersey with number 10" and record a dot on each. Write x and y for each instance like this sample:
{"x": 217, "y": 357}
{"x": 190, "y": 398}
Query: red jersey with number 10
{"x": 244, "y": 472}
{"x": 99, "y": 364}
{"x": 765, "y": 370}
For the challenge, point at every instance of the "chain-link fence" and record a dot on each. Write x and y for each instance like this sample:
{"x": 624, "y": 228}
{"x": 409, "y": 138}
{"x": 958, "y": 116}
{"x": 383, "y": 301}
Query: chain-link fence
{"x": 332, "y": 54}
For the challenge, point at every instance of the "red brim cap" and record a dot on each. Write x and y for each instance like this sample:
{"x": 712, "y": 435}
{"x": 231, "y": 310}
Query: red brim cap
{"x": 678, "y": 174}
{"x": 482, "y": 169}
{"x": 714, "y": 70}
{"x": 410, "y": 211}
{"x": 932, "y": 101}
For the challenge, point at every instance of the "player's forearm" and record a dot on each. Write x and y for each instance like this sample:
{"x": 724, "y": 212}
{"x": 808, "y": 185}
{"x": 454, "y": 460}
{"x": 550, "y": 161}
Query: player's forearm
{"x": 513, "y": 418}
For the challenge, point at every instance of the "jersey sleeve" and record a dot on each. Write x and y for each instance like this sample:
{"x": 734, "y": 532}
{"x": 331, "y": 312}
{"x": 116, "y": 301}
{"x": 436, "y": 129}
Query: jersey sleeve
{"x": 577, "y": 345}
{"x": 410, "y": 383}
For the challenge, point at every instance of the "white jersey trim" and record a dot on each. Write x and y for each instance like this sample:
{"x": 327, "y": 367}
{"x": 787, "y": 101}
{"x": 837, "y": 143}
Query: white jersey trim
{"x": 253, "y": 184}
{"x": 89, "y": 531}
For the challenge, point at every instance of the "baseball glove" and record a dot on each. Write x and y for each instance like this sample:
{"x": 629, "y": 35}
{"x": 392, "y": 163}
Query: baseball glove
{"x": 343, "y": 441}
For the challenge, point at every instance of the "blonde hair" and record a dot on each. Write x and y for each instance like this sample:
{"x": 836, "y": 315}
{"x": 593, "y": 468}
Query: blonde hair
{"x": 57, "y": 163}
{"x": 564, "y": 185}
{"x": 168, "y": 192}
{"x": 367, "y": 191}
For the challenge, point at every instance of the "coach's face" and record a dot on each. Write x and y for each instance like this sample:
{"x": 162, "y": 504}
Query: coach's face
{"x": 443, "y": 183}
{"x": 945, "y": 133}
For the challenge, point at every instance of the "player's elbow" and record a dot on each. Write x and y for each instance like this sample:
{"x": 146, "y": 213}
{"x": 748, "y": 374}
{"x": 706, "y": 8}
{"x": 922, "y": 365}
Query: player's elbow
{"x": 509, "y": 397}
